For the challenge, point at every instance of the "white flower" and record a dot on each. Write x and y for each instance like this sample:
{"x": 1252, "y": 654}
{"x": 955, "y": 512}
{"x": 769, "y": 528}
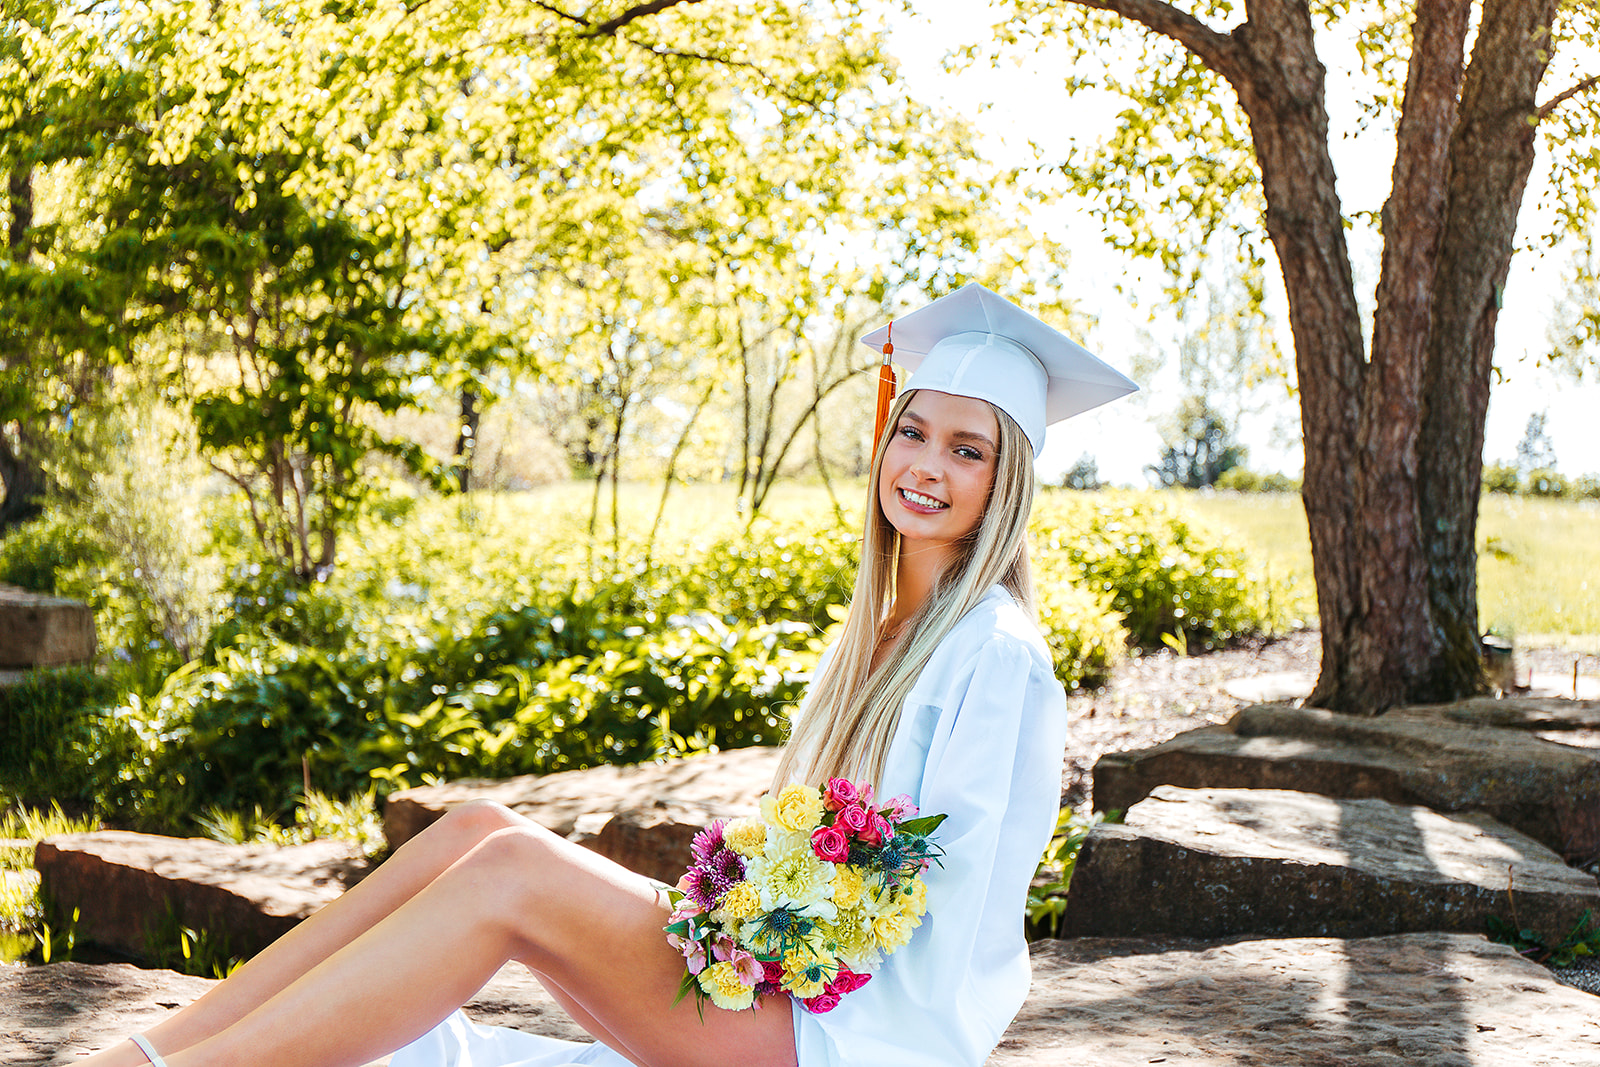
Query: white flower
{"x": 790, "y": 875}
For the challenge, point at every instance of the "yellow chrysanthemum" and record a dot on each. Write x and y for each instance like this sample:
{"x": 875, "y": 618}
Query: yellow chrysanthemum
{"x": 742, "y": 901}
{"x": 747, "y": 837}
{"x": 915, "y": 897}
{"x": 797, "y": 808}
{"x": 852, "y": 935}
{"x": 806, "y": 974}
{"x": 795, "y": 878}
{"x": 847, "y": 886}
{"x": 894, "y": 928}
{"x": 721, "y": 983}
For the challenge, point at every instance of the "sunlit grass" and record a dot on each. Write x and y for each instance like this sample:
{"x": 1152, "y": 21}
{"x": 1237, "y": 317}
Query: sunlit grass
{"x": 20, "y": 912}
{"x": 1538, "y": 564}
{"x": 319, "y": 816}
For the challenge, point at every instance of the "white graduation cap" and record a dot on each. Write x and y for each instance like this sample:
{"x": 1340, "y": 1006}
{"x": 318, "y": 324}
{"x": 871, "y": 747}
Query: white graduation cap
{"x": 974, "y": 342}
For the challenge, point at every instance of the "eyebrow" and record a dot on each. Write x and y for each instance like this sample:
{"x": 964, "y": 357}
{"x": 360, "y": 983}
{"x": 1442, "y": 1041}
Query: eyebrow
{"x": 960, "y": 435}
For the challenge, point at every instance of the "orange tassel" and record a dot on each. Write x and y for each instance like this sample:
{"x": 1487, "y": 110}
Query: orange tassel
{"x": 886, "y": 390}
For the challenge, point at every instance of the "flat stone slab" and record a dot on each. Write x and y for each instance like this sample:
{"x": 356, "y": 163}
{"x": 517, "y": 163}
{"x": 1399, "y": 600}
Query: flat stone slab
{"x": 1446, "y": 1000}
{"x": 123, "y": 884}
{"x": 43, "y": 631}
{"x": 1214, "y": 863}
{"x": 1510, "y": 713}
{"x": 1277, "y": 687}
{"x": 60, "y": 1013}
{"x": 1549, "y": 791}
{"x": 643, "y": 816}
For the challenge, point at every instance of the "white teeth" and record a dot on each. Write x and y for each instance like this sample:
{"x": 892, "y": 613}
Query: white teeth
{"x": 924, "y": 501}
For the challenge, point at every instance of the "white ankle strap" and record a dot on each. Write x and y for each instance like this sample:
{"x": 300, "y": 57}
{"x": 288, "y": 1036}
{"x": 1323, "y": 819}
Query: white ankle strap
{"x": 149, "y": 1053}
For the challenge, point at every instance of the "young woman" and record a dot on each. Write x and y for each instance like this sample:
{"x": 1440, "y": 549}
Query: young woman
{"x": 939, "y": 687}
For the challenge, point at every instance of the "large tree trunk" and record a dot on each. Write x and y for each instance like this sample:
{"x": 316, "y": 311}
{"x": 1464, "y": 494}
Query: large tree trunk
{"x": 1393, "y": 448}
{"x": 1388, "y": 643}
{"x": 1280, "y": 83}
{"x": 1491, "y": 153}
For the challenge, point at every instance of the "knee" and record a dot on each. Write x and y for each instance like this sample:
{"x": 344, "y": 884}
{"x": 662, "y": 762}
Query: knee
{"x": 519, "y": 862}
{"x": 472, "y": 822}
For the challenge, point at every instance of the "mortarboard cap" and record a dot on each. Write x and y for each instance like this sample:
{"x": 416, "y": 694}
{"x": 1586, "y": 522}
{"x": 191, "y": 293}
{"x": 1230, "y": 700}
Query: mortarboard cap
{"x": 974, "y": 342}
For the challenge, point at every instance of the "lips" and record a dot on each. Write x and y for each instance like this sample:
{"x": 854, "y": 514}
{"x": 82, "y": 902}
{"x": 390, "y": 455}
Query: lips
{"x": 920, "y": 501}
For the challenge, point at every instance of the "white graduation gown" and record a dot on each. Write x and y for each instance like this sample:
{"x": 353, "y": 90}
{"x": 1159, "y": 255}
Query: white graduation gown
{"x": 980, "y": 738}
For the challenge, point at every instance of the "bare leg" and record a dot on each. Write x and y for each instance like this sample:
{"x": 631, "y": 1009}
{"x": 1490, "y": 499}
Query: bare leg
{"x": 401, "y": 877}
{"x": 524, "y": 893}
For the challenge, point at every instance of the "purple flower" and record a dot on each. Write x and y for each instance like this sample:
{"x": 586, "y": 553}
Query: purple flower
{"x": 707, "y": 842}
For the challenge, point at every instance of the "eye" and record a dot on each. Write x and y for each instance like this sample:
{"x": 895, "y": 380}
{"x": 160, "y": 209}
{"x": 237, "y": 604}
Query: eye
{"x": 909, "y": 431}
{"x": 968, "y": 452}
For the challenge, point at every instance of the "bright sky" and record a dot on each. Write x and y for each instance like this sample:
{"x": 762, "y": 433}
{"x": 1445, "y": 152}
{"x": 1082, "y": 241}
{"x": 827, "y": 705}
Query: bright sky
{"x": 1016, "y": 103}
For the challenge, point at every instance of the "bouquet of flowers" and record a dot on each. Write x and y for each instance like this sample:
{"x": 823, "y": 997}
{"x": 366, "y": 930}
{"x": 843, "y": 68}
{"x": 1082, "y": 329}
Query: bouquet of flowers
{"x": 805, "y": 899}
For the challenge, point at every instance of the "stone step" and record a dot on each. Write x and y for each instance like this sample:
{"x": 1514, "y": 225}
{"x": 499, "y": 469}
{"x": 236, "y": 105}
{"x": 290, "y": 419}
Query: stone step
{"x": 124, "y": 884}
{"x": 1446, "y": 1000}
{"x": 1549, "y": 791}
{"x": 1215, "y": 863}
{"x": 43, "y": 631}
{"x": 643, "y": 816}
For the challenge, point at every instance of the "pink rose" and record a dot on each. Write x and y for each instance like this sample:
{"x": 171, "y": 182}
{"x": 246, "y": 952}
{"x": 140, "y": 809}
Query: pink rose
{"x": 900, "y": 808}
{"x": 821, "y": 1002}
{"x": 853, "y": 818}
{"x": 878, "y": 830}
{"x": 841, "y": 791}
{"x": 847, "y": 981}
{"x": 830, "y": 844}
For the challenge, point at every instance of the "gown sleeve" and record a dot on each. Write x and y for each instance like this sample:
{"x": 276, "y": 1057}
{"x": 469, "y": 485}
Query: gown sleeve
{"x": 984, "y": 747}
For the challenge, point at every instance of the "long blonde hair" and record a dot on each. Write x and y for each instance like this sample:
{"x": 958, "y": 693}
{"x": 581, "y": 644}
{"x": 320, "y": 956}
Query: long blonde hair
{"x": 852, "y": 710}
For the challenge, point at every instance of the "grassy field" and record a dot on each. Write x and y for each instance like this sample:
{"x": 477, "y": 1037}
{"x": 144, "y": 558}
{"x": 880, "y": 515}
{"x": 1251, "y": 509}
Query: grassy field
{"x": 1539, "y": 568}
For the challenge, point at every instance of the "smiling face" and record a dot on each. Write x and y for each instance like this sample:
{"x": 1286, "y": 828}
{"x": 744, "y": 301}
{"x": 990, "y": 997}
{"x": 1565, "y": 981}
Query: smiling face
{"x": 938, "y": 469}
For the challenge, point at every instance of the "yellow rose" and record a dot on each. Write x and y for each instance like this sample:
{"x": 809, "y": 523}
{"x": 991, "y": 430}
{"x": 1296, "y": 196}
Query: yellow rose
{"x": 797, "y": 808}
{"x": 747, "y": 837}
{"x": 743, "y": 901}
{"x": 847, "y": 886}
{"x": 894, "y": 929}
{"x": 721, "y": 983}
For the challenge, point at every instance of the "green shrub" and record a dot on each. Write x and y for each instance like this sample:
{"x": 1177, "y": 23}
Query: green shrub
{"x": 531, "y": 690}
{"x": 1501, "y": 478}
{"x": 1160, "y": 570}
{"x": 1545, "y": 482}
{"x": 1083, "y": 632}
{"x": 46, "y": 731}
{"x": 1244, "y": 480}
{"x": 1239, "y": 480}
{"x": 34, "y": 554}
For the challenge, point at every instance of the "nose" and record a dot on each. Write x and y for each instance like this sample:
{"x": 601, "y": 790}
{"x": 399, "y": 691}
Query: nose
{"x": 925, "y": 466}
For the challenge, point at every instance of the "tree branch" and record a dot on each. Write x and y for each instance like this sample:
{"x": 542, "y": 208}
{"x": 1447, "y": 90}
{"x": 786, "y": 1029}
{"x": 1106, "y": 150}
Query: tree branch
{"x": 1216, "y": 50}
{"x": 651, "y": 7}
{"x": 558, "y": 13}
{"x": 1576, "y": 90}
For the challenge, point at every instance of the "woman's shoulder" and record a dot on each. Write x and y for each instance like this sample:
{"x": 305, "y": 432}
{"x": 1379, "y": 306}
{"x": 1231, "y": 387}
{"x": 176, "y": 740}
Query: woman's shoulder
{"x": 997, "y": 628}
